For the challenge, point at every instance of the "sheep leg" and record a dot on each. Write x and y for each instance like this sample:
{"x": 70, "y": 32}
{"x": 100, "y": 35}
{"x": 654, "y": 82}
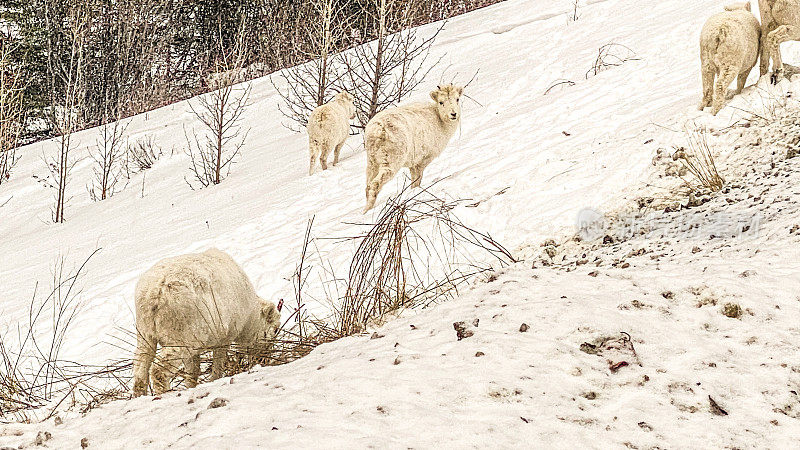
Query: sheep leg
{"x": 166, "y": 366}
{"x": 191, "y": 365}
{"x": 218, "y": 364}
{"x": 336, "y": 152}
{"x": 783, "y": 33}
{"x": 724, "y": 79}
{"x": 416, "y": 174}
{"x": 708, "y": 86}
{"x": 372, "y": 172}
{"x": 765, "y": 54}
{"x": 374, "y": 187}
{"x": 142, "y": 360}
{"x": 313, "y": 149}
{"x": 740, "y": 82}
{"x": 323, "y": 157}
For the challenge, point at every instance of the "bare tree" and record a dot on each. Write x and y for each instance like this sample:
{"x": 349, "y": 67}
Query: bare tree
{"x": 381, "y": 73}
{"x": 10, "y": 112}
{"x": 109, "y": 159}
{"x": 66, "y": 106}
{"x": 312, "y": 84}
{"x": 220, "y": 113}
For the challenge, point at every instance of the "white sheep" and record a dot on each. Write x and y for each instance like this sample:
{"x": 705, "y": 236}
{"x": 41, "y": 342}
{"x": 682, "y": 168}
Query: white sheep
{"x": 409, "y": 136}
{"x": 729, "y": 47}
{"x": 329, "y": 127}
{"x": 780, "y": 22}
{"x": 190, "y": 304}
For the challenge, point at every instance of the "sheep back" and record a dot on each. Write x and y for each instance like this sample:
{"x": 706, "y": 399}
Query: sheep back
{"x": 731, "y": 38}
{"x": 407, "y": 135}
{"x": 329, "y": 124}
{"x": 197, "y": 301}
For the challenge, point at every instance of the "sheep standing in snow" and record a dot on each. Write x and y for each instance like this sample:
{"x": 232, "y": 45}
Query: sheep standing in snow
{"x": 189, "y": 304}
{"x": 329, "y": 127}
{"x": 409, "y": 136}
{"x": 780, "y": 22}
{"x": 729, "y": 47}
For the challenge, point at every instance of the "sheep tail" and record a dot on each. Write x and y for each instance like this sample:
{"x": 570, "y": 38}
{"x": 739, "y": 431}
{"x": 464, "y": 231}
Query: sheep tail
{"x": 378, "y": 137}
{"x": 722, "y": 36}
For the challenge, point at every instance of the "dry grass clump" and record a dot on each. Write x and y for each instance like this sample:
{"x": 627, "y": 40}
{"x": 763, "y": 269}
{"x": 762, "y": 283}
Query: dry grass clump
{"x": 699, "y": 161}
{"x": 143, "y": 154}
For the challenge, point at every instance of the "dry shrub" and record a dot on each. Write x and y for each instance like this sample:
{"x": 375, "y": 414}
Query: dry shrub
{"x": 699, "y": 161}
{"x": 143, "y": 154}
{"x": 416, "y": 253}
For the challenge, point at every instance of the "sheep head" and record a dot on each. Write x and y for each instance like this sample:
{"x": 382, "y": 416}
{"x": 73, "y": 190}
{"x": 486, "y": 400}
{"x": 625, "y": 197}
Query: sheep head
{"x": 266, "y": 325}
{"x": 347, "y": 100}
{"x": 448, "y": 102}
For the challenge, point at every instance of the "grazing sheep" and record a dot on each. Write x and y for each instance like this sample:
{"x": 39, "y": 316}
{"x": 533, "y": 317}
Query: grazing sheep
{"x": 729, "y": 47}
{"x": 409, "y": 136}
{"x": 189, "y": 304}
{"x": 780, "y": 22}
{"x": 329, "y": 127}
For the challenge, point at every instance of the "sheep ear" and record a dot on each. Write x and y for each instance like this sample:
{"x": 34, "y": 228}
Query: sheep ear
{"x": 269, "y": 312}
{"x": 460, "y": 91}
{"x": 435, "y": 96}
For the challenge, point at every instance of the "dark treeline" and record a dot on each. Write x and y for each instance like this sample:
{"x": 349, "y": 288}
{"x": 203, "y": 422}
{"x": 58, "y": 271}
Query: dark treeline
{"x": 131, "y": 56}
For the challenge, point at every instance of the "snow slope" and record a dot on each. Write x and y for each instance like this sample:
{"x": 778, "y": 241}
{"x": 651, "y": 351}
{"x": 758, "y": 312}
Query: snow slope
{"x": 516, "y": 140}
{"x": 413, "y": 384}
{"x": 586, "y": 146}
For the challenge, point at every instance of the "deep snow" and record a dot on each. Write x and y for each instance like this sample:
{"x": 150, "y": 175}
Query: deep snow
{"x": 590, "y": 145}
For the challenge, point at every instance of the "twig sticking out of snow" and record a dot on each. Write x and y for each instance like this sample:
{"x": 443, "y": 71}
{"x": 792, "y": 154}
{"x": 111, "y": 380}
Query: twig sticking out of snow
{"x": 611, "y": 55}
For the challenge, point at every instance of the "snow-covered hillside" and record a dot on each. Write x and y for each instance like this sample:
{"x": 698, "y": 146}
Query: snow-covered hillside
{"x": 531, "y": 162}
{"x": 613, "y": 356}
{"x": 516, "y": 141}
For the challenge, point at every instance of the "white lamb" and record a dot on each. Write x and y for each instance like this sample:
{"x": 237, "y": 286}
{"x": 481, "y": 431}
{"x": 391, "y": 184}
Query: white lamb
{"x": 409, "y": 136}
{"x": 780, "y": 22}
{"x": 329, "y": 127}
{"x": 729, "y": 47}
{"x": 190, "y": 304}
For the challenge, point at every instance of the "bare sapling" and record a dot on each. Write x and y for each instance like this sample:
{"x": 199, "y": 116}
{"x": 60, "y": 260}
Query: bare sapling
{"x": 575, "y": 14}
{"x": 68, "y": 95}
{"x": 11, "y": 120}
{"x": 109, "y": 161}
{"x": 213, "y": 152}
{"x": 381, "y": 73}
{"x": 307, "y": 86}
